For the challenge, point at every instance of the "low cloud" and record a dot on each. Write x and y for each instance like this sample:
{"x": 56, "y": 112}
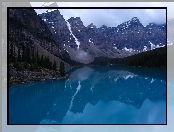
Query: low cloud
{"x": 83, "y": 57}
{"x": 114, "y": 17}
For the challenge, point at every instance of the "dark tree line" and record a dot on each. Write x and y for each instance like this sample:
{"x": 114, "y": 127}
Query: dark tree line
{"x": 26, "y": 58}
{"x": 21, "y": 53}
{"x": 152, "y": 58}
{"x": 62, "y": 69}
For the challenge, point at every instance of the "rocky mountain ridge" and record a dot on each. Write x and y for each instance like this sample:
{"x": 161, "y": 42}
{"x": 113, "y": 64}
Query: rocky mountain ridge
{"x": 27, "y": 29}
{"x": 81, "y": 42}
{"x": 33, "y": 52}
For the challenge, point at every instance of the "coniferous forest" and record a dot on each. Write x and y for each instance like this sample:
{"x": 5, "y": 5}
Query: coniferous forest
{"x": 25, "y": 58}
{"x": 62, "y": 71}
{"x": 32, "y": 47}
{"x": 152, "y": 58}
{"x": 28, "y": 62}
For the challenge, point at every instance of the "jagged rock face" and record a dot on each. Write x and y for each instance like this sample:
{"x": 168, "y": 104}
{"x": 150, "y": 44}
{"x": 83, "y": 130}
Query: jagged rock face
{"x": 27, "y": 26}
{"x": 127, "y": 35}
{"x": 132, "y": 34}
{"x": 28, "y": 29}
{"x": 25, "y": 18}
{"x": 79, "y": 30}
{"x": 126, "y": 39}
{"x": 58, "y": 27}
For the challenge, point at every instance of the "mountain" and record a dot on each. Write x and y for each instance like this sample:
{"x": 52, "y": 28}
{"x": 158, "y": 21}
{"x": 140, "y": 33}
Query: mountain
{"x": 84, "y": 44}
{"x": 70, "y": 41}
{"x": 33, "y": 50}
{"x": 27, "y": 29}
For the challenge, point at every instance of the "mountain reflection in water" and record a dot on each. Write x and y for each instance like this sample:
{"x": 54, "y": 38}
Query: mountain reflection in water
{"x": 93, "y": 95}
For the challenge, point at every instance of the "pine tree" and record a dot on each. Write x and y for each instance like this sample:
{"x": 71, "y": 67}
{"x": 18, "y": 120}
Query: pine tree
{"x": 45, "y": 62}
{"x": 37, "y": 58}
{"x": 28, "y": 55}
{"x": 50, "y": 64}
{"x": 19, "y": 55}
{"x": 14, "y": 55}
{"x": 33, "y": 57}
{"x": 41, "y": 63}
{"x": 11, "y": 52}
{"x": 23, "y": 53}
{"x": 62, "y": 69}
{"x": 54, "y": 66}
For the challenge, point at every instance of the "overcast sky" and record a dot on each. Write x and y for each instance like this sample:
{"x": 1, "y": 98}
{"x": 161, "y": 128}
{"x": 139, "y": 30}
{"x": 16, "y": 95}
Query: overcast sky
{"x": 111, "y": 17}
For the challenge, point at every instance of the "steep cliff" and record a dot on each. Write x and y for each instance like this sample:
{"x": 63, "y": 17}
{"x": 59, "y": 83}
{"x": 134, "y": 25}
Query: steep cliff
{"x": 27, "y": 29}
{"x": 83, "y": 44}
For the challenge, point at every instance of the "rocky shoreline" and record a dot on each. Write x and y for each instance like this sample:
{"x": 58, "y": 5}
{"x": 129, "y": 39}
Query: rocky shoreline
{"x": 27, "y": 76}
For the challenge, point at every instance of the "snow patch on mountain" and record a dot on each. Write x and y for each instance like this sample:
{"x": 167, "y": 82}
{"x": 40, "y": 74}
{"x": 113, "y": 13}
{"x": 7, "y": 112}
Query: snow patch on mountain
{"x": 76, "y": 40}
{"x": 145, "y": 48}
{"x": 90, "y": 40}
{"x": 126, "y": 49}
{"x": 158, "y": 46}
{"x": 152, "y": 45}
{"x": 115, "y": 47}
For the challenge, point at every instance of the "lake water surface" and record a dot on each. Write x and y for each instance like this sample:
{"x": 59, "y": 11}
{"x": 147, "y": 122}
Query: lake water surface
{"x": 93, "y": 95}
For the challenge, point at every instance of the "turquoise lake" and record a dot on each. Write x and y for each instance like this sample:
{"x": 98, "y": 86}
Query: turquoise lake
{"x": 93, "y": 95}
